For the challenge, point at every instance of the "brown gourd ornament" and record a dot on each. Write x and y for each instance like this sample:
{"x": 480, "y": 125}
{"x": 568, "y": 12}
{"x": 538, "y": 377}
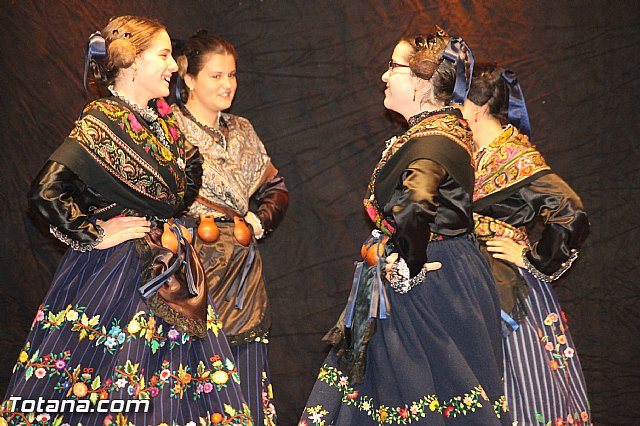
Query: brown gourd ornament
{"x": 170, "y": 240}
{"x": 241, "y": 231}
{"x": 208, "y": 230}
{"x": 376, "y": 251}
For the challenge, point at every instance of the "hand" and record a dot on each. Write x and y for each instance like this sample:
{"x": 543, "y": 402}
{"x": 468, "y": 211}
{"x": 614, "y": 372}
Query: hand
{"x": 255, "y": 223}
{"x": 393, "y": 258}
{"x": 506, "y": 249}
{"x": 120, "y": 229}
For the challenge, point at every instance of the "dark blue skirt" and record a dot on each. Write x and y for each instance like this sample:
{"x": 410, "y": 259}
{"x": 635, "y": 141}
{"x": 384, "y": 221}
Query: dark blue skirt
{"x": 94, "y": 341}
{"x": 436, "y": 359}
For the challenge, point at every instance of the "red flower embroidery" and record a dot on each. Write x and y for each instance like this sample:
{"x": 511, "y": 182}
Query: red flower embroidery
{"x": 163, "y": 107}
{"x": 174, "y": 132}
{"x": 447, "y": 411}
{"x": 135, "y": 124}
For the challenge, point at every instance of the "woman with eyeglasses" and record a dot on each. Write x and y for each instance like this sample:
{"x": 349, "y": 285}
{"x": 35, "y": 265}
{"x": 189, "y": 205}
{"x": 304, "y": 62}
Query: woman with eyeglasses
{"x": 241, "y": 200}
{"x": 127, "y": 333}
{"x": 517, "y": 196}
{"x": 419, "y": 339}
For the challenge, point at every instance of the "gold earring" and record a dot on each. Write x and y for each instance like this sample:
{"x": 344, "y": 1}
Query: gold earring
{"x": 414, "y": 95}
{"x": 135, "y": 74}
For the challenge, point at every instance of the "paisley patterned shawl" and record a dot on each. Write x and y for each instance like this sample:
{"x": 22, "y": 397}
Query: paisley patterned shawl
{"x": 230, "y": 176}
{"x": 114, "y": 152}
{"x": 444, "y": 138}
{"x": 508, "y": 162}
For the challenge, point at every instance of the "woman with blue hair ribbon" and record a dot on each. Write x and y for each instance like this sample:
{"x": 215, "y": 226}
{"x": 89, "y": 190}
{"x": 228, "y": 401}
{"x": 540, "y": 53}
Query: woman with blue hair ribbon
{"x": 127, "y": 333}
{"x": 419, "y": 341}
{"x": 516, "y": 198}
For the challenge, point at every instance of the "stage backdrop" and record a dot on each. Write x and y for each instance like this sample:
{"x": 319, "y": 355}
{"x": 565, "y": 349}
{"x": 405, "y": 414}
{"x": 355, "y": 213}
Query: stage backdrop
{"x": 309, "y": 80}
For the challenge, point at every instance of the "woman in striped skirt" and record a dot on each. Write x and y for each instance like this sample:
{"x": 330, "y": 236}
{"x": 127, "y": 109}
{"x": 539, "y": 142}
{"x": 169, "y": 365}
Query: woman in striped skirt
{"x": 240, "y": 186}
{"x": 515, "y": 193}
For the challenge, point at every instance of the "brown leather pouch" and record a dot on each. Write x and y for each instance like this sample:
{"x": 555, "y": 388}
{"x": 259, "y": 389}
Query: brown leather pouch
{"x": 175, "y": 287}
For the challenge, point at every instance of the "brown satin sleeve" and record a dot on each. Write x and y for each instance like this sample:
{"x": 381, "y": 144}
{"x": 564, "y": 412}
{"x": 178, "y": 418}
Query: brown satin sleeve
{"x": 57, "y": 194}
{"x": 272, "y": 198}
{"x": 414, "y": 210}
{"x": 566, "y": 225}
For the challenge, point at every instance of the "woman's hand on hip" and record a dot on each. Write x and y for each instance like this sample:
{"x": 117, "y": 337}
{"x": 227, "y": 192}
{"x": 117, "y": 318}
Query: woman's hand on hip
{"x": 506, "y": 249}
{"x": 120, "y": 229}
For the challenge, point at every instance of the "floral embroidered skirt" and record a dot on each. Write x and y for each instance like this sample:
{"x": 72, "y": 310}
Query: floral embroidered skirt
{"x": 95, "y": 341}
{"x": 436, "y": 359}
{"x": 543, "y": 379}
{"x": 255, "y": 380}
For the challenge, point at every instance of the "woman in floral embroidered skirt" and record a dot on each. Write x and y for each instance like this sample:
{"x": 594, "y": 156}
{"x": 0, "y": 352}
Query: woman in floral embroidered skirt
{"x": 238, "y": 179}
{"x": 516, "y": 193}
{"x": 419, "y": 340}
{"x": 96, "y": 339}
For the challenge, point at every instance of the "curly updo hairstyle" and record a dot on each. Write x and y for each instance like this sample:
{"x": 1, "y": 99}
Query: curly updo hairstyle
{"x": 426, "y": 61}
{"x": 489, "y": 88}
{"x": 125, "y": 38}
{"x": 195, "y": 54}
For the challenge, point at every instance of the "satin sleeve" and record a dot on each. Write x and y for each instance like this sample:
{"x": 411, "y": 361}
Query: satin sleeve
{"x": 56, "y": 193}
{"x": 272, "y": 199}
{"x": 566, "y": 225}
{"x": 414, "y": 209}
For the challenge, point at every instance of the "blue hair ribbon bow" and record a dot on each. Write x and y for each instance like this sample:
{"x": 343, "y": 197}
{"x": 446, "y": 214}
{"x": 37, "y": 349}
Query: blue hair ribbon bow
{"x": 518, "y": 115}
{"x": 454, "y": 53}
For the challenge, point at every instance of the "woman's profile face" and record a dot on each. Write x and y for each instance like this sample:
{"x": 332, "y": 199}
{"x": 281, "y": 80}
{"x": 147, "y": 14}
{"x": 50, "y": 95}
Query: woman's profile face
{"x": 399, "y": 93}
{"x": 155, "y": 66}
{"x": 215, "y": 85}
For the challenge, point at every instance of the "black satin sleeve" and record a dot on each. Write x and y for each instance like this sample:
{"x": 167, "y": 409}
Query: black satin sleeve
{"x": 566, "y": 225}
{"x": 272, "y": 199}
{"x": 193, "y": 172}
{"x": 64, "y": 200}
{"x": 414, "y": 209}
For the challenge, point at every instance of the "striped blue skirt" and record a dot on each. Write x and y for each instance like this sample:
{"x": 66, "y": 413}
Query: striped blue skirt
{"x": 96, "y": 347}
{"x": 544, "y": 383}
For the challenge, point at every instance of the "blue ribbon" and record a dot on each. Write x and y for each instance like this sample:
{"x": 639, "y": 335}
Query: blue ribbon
{"x": 518, "y": 115}
{"x": 454, "y": 53}
{"x": 379, "y": 302}
{"x": 351, "y": 302}
{"x": 153, "y": 285}
{"x": 240, "y": 281}
{"x": 512, "y": 323}
{"x": 96, "y": 48}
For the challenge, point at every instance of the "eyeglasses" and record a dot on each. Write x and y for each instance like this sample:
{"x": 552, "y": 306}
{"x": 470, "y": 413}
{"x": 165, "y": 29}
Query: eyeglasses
{"x": 393, "y": 65}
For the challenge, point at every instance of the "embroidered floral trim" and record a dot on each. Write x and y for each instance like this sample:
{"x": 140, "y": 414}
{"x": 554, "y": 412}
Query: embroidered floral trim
{"x": 120, "y": 160}
{"x": 231, "y": 416}
{"x": 573, "y": 419}
{"x": 507, "y": 160}
{"x": 459, "y": 405}
{"x": 486, "y": 228}
{"x": 78, "y": 382}
{"x": 77, "y": 245}
{"x": 555, "y": 342}
{"x": 268, "y": 408}
{"x": 143, "y": 326}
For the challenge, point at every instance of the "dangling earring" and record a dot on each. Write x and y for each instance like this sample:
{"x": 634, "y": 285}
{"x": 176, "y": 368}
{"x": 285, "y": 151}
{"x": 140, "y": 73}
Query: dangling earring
{"x": 475, "y": 116}
{"x": 414, "y": 95}
{"x": 135, "y": 73}
{"x": 190, "y": 92}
